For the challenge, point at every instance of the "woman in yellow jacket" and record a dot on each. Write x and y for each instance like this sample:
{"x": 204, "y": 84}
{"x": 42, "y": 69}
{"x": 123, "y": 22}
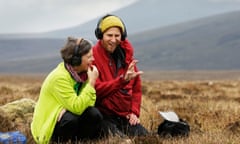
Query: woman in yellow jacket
{"x": 64, "y": 110}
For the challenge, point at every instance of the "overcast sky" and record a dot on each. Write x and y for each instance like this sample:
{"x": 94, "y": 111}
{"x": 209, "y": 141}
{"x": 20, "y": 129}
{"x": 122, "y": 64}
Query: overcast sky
{"x": 45, "y": 15}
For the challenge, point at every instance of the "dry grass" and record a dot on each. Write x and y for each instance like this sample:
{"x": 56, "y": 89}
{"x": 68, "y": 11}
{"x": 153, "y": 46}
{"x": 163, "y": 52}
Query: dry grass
{"x": 210, "y": 106}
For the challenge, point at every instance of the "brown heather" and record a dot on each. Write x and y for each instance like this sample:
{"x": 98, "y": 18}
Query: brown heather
{"x": 211, "y": 107}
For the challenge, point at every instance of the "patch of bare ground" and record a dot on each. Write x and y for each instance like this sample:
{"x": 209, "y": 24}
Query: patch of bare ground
{"x": 210, "y": 103}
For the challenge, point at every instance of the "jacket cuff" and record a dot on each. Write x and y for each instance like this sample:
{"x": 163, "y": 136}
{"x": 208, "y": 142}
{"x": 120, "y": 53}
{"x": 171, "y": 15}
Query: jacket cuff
{"x": 122, "y": 80}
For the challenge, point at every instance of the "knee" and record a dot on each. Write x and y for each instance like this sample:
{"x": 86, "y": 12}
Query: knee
{"x": 94, "y": 113}
{"x": 70, "y": 119}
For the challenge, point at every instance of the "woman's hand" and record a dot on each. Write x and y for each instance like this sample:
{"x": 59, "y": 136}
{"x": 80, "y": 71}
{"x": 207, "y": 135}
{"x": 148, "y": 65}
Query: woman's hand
{"x": 92, "y": 74}
{"x": 131, "y": 73}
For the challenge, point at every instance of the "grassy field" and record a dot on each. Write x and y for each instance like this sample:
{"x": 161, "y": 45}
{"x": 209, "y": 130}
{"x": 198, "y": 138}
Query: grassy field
{"x": 208, "y": 101}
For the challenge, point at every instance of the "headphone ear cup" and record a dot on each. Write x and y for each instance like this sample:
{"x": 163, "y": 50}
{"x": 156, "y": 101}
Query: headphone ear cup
{"x": 98, "y": 33}
{"x": 124, "y": 34}
{"x": 76, "y": 61}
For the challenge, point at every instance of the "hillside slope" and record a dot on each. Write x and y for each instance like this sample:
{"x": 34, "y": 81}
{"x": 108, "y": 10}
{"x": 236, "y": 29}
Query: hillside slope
{"x": 145, "y": 15}
{"x": 210, "y": 43}
{"x": 29, "y": 55}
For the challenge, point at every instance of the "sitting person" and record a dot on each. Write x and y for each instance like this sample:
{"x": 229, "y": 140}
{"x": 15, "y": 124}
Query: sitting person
{"x": 65, "y": 108}
{"x": 118, "y": 86}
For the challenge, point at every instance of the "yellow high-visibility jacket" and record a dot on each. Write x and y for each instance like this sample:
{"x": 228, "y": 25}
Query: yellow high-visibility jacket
{"x": 57, "y": 93}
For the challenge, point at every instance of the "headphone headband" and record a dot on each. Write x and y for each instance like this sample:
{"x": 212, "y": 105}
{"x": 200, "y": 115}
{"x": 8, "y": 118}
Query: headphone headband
{"x": 79, "y": 41}
{"x": 76, "y": 59}
{"x": 99, "y": 33}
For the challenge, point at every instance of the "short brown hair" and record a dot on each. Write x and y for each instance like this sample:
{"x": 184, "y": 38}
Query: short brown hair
{"x": 68, "y": 51}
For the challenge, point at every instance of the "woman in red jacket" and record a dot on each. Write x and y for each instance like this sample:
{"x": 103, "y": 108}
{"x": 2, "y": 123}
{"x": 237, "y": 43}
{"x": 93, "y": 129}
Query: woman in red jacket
{"x": 118, "y": 86}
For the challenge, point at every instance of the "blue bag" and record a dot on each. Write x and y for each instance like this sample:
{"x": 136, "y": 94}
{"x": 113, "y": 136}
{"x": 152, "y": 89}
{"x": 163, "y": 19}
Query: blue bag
{"x": 14, "y": 137}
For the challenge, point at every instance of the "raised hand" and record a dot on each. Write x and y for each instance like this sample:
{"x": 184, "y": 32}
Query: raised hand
{"x": 131, "y": 73}
{"x": 92, "y": 74}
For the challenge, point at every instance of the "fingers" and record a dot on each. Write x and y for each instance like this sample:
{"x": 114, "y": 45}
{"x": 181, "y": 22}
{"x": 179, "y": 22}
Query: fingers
{"x": 132, "y": 64}
{"x": 92, "y": 74}
{"x": 92, "y": 71}
{"x": 92, "y": 68}
{"x": 139, "y": 72}
{"x": 133, "y": 119}
{"x": 131, "y": 73}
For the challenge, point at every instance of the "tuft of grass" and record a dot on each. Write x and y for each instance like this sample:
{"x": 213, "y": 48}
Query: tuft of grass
{"x": 211, "y": 107}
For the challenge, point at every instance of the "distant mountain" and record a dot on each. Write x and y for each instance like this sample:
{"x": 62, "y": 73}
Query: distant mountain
{"x": 29, "y": 55}
{"x": 145, "y": 15}
{"x": 211, "y": 43}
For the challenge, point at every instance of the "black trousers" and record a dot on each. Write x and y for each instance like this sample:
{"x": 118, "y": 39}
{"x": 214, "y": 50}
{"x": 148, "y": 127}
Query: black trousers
{"x": 78, "y": 127}
{"x": 120, "y": 126}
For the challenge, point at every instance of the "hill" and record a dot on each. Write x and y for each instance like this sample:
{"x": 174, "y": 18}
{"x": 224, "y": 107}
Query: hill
{"x": 210, "y": 43}
{"x": 144, "y": 15}
{"x": 29, "y": 55}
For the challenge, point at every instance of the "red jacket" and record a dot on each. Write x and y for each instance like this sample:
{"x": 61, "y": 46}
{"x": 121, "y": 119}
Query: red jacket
{"x": 115, "y": 96}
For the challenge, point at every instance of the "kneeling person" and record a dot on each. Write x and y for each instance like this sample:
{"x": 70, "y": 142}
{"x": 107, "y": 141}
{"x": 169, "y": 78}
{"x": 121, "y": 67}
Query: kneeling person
{"x": 65, "y": 108}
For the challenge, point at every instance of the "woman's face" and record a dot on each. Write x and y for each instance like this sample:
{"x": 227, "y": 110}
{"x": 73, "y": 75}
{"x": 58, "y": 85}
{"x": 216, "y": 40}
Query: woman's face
{"x": 87, "y": 60}
{"x": 111, "y": 39}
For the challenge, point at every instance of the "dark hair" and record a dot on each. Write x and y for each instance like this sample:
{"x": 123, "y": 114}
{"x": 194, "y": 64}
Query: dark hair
{"x": 68, "y": 51}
